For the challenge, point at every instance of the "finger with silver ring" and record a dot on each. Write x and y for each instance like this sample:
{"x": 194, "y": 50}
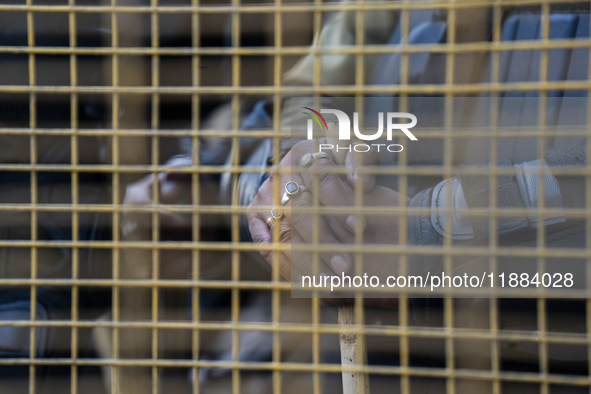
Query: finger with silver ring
{"x": 292, "y": 189}
{"x": 276, "y": 214}
{"x": 309, "y": 158}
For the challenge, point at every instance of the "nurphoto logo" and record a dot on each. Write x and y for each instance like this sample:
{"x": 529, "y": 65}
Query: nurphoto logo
{"x": 344, "y": 129}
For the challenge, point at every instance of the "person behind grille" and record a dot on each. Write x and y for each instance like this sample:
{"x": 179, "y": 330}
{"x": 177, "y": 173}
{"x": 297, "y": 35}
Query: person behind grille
{"x": 519, "y": 190}
{"x": 427, "y": 27}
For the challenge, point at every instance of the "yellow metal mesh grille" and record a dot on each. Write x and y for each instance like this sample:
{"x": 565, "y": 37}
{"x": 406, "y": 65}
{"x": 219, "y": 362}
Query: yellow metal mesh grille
{"x": 162, "y": 66}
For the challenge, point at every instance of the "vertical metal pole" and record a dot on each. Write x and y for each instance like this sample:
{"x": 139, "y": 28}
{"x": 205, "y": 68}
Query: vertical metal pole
{"x": 353, "y": 352}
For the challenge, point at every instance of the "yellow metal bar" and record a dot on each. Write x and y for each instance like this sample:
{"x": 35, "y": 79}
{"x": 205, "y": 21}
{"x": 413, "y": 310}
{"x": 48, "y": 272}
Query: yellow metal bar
{"x": 195, "y": 193}
{"x": 75, "y": 194}
{"x": 276, "y": 278}
{"x": 480, "y": 132}
{"x": 115, "y": 303}
{"x": 305, "y": 50}
{"x": 525, "y": 377}
{"x": 155, "y": 125}
{"x": 395, "y": 331}
{"x": 540, "y": 234}
{"x": 334, "y": 90}
{"x": 448, "y": 158}
{"x": 403, "y": 312}
{"x": 235, "y": 308}
{"x": 238, "y": 8}
{"x": 34, "y": 194}
{"x": 493, "y": 183}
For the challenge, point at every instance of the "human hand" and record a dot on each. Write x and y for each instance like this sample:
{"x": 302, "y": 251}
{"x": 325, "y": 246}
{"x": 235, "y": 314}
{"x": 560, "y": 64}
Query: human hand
{"x": 174, "y": 188}
{"x": 332, "y": 190}
{"x": 381, "y": 228}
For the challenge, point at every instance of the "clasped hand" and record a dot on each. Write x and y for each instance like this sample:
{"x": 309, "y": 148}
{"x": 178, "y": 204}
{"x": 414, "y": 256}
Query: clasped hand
{"x": 378, "y": 227}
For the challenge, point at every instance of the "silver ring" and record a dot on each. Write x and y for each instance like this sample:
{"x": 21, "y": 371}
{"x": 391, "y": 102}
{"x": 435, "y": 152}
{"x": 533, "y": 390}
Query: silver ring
{"x": 292, "y": 189}
{"x": 309, "y": 158}
{"x": 276, "y": 213}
